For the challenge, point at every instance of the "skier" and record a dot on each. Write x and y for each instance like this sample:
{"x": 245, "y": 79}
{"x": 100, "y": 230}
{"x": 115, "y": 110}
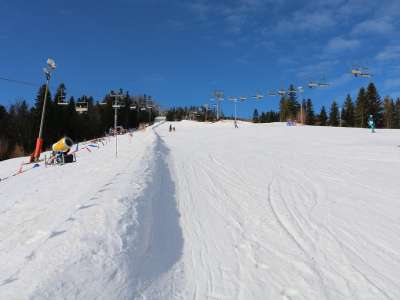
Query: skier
{"x": 236, "y": 125}
{"x": 371, "y": 123}
{"x": 170, "y": 127}
{"x": 173, "y": 128}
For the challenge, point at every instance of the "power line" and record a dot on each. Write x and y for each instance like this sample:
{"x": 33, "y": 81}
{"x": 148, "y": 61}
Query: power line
{"x": 19, "y": 81}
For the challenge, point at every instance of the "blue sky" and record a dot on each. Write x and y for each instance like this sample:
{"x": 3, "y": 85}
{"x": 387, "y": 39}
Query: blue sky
{"x": 180, "y": 51}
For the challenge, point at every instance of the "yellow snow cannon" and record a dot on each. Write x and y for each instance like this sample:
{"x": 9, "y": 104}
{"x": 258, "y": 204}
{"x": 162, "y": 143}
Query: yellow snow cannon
{"x": 63, "y": 145}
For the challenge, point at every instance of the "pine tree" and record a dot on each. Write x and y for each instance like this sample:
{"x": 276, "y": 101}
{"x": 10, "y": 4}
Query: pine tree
{"x": 389, "y": 113}
{"x": 322, "y": 118}
{"x": 397, "y": 114}
{"x": 292, "y": 105}
{"x": 5, "y": 130}
{"x": 283, "y": 110}
{"x": 334, "y": 115}
{"x": 21, "y": 128}
{"x": 374, "y": 104}
{"x": 61, "y": 111}
{"x": 263, "y": 117}
{"x": 348, "y": 112}
{"x": 361, "y": 112}
{"x": 309, "y": 112}
{"x": 303, "y": 111}
{"x": 255, "y": 116}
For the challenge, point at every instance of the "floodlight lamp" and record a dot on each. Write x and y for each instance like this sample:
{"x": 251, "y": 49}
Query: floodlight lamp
{"x": 51, "y": 63}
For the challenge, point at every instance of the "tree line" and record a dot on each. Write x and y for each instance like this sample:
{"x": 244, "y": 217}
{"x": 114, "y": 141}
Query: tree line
{"x": 386, "y": 112}
{"x": 19, "y": 124}
{"x": 197, "y": 113}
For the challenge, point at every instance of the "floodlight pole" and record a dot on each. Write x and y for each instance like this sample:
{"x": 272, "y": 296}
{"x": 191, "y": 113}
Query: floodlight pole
{"x": 115, "y": 130}
{"x": 235, "y": 102}
{"x": 149, "y": 115}
{"x": 218, "y": 95}
{"x": 39, "y": 140}
{"x": 206, "y": 107}
{"x": 301, "y": 104}
{"x": 116, "y": 107}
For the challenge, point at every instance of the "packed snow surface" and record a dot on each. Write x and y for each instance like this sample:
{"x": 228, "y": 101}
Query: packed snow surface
{"x": 264, "y": 211}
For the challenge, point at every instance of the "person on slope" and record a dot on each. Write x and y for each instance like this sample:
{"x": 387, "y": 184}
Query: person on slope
{"x": 371, "y": 123}
{"x": 170, "y": 127}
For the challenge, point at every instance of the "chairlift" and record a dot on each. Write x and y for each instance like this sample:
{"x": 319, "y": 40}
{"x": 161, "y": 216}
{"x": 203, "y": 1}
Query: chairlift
{"x": 242, "y": 98}
{"x": 312, "y": 84}
{"x": 357, "y": 71}
{"x": 61, "y": 100}
{"x": 61, "y": 97}
{"x": 258, "y": 96}
{"x": 323, "y": 84}
{"x": 81, "y": 107}
{"x": 281, "y": 92}
{"x": 365, "y": 75}
{"x": 234, "y": 99}
{"x": 272, "y": 93}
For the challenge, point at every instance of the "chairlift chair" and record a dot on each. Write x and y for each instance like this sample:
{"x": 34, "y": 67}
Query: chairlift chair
{"x": 272, "y": 93}
{"x": 312, "y": 84}
{"x": 258, "y": 96}
{"x": 281, "y": 92}
{"x": 61, "y": 101}
{"x": 365, "y": 75}
{"x": 81, "y": 107}
{"x": 323, "y": 84}
{"x": 61, "y": 98}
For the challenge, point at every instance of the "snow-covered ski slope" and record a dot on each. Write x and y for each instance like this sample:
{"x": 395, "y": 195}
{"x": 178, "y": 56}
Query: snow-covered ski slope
{"x": 276, "y": 212}
{"x": 209, "y": 212}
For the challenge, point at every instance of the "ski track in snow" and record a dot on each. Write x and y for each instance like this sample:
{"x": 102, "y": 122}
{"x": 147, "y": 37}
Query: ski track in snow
{"x": 208, "y": 212}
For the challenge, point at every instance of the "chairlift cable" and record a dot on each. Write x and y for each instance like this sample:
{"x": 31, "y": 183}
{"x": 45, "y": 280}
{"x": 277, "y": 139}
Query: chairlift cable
{"x": 19, "y": 81}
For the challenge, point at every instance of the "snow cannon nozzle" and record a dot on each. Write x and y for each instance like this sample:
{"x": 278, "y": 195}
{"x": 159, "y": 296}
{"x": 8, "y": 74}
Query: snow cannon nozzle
{"x": 63, "y": 145}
